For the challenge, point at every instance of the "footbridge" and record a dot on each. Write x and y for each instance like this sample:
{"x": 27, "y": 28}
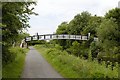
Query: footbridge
{"x": 55, "y": 36}
{"x": 58, "y": 36}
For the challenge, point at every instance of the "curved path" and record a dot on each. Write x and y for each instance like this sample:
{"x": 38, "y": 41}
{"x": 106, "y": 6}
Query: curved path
{"x": 37, "y": 67}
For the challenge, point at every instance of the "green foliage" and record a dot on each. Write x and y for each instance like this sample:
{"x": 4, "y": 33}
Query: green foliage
{"x": 83, "y": 24}
{"x": 107, "y": 34}
{"x": 79, "y": 22}
{"x": 106, "y": 29}
{"x": 75, "y": 48}
{"x": 115, "y": 15}
{"x": 62, "y": 28}
{"x": 36, "y": 42}
{"x": 17, "y": 64}
{"x": 15, "y": 19}
{"x": 58, "y": 47}
{"x": 93, "y": 24}
{"x": 106, "y": 49}
{"x": 71, "y": 66}
{"x": 19, "y": 38}
{"x": 13, "y": 52}
{"x": 95, "y": 49}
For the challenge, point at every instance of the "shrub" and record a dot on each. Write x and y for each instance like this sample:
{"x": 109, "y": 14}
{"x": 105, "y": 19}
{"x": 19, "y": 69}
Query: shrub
{"x": 11, "y": 54}
{"x": 16, "y": 65}
{"x": 98, "y": 75}
{"x": 58, "y": 47}
{"x": 75, "y": 67}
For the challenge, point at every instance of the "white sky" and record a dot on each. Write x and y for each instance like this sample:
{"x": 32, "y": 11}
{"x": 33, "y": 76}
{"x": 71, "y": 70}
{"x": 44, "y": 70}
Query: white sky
{"x": 53, "y": 12}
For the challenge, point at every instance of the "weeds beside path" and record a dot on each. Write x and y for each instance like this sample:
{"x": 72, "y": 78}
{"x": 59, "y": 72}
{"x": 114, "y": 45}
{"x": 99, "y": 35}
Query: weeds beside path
{"x": 15, "y": 68}
{"x": 70, "y": 66}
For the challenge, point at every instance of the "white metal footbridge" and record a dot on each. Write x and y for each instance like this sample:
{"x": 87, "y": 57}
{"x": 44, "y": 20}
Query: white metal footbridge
{"x": 58, "y": 36}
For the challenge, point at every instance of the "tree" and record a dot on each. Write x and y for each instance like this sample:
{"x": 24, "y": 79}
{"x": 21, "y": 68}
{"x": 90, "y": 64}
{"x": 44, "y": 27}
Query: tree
{"x": 93, "y": 23}
{"x": 78, "y": 23}
{"x": 19, "y": 38}
{"x": 15, "y": 18}
{"x": 62, "y": 29}
{"x": 75, "y": 48}
{"x": 92, "y": 26}
{"x": 108, "y": 33}
{"x": 114, "y": 14}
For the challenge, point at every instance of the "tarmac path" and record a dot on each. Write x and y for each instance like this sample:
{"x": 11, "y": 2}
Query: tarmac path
{"x": 37, "y": 67}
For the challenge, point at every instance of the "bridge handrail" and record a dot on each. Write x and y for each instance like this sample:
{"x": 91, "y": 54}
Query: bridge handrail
{"x": 59, "y": 36}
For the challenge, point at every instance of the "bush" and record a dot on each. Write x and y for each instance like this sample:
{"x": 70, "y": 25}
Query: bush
{"x": 10, "y": 54}
{"x": 71, "y": 66}
{"x": 75, "y": 48}
{"x": 98, "y": 75}
{"x": 16, "y": 65}
{"x": 58, "y": 47}
{"x": 83, "y": 67}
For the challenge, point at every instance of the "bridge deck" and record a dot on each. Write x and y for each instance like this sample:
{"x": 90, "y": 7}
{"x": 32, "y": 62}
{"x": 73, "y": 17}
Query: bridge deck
{"x": 55, "y": 36}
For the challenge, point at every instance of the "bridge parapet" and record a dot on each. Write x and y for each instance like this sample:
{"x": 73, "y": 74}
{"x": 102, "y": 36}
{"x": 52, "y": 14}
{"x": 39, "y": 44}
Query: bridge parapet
{"x": 58, "y": 36}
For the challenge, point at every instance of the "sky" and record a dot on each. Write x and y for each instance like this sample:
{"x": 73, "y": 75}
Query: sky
{"x": 53, "y": 12}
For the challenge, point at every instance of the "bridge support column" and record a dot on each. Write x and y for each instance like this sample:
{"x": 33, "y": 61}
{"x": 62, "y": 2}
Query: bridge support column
{"x": 26, "y": 45}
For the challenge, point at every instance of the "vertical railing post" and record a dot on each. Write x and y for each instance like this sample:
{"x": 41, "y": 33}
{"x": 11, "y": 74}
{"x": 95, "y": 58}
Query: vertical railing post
{"x": 88, "y": 35}
{"x": 50, "y": 36}
{"x": 63, "y": 36}
{"x": 31, "y": 38}
{"x": 69, "y": 36}
{"x": 75, "y": 37}
{"x": 37, "y": 36}
{"x": 81, "y": 36}
{"x": 44, "y": 37}
{"x": 57, "y": 36}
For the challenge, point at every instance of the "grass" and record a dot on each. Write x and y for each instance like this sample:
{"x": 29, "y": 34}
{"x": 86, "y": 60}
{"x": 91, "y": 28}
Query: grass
{"x": 15, "y": 68}
{"x": 70, "y": 66}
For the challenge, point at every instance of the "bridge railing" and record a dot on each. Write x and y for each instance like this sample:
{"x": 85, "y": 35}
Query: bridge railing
{"x": 60, "y": 36}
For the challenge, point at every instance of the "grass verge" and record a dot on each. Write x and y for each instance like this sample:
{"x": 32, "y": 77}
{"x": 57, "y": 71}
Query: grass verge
{"x": 15, "y": 68}
{"x": 70, "y": 66}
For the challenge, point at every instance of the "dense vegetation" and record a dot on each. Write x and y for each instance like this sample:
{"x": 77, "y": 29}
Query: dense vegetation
{"x": 87, "y": 59}
{"x": 15, "y": 68}
{"x": 106, "y": 29}
{"x": 70, "y": 56}
{"x": 15, "y": 20}
{"x": 70, "y": 66}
